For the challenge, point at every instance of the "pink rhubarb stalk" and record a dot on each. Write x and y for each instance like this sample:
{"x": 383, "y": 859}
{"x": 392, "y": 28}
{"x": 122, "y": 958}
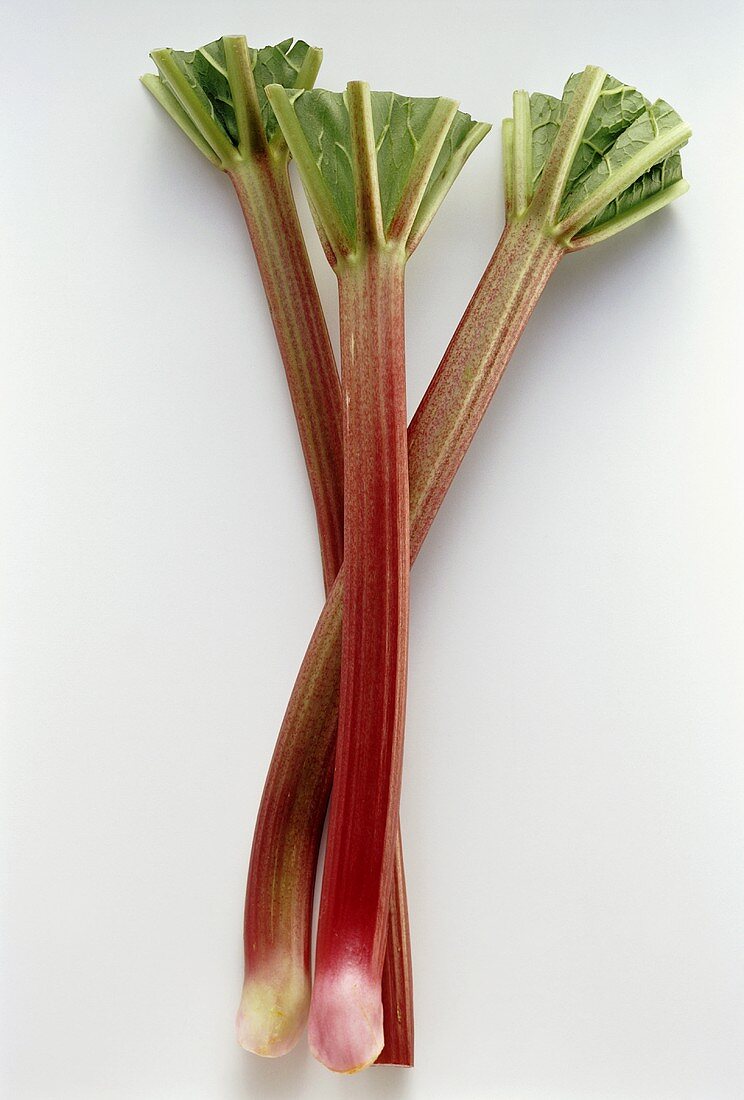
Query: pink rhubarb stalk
{"x": 542, "y": 226}
{"x": 346, "y": 1011}
{"x": 368, "y": 248}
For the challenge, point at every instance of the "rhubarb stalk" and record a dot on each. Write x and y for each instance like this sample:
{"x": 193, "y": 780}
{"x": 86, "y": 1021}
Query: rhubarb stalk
{"x": 216, "y": 95}
{"x": 375, "y": 167}
{"x": 577, "y": 170}
{"x": 357, "y": 880}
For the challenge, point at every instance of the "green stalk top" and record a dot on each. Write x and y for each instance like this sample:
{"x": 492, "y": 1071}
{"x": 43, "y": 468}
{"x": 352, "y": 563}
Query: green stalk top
{"x": 216, "y": 94}
{"x": 375, "y": 165}
{"x": 591, "y": 163}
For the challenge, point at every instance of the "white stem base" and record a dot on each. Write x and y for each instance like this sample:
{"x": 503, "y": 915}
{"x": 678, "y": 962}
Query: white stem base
{"x": 272, "y": 1013}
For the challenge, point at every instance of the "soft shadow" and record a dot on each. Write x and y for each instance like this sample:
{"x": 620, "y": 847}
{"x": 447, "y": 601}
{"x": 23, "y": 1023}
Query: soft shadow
{"x": 298, "y": 1075}
{"x": 646, "y": 245}
{"x": 269, "y": 1077}
{"x": 385, "y": 1081}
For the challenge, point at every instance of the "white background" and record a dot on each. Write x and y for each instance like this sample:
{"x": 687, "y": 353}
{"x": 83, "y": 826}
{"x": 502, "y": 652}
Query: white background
{"x": 573, "y": 808}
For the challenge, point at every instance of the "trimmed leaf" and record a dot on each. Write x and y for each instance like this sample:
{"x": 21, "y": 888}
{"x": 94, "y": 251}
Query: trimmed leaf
{"x": 653, "y": 120}
{"x": 458, "y": 134}
{"x": 165, "y": 97}
{"x": 603, "y": 157}
{"x": 617, "y": 106}
{"x": 325, "y": 122}
{"x": 545, "y": 113}
{"x": 206, "y": 71}
{"x": 652, "y": 183}
{"x": 276, "y": 65}
{"x": 399, "y": 123}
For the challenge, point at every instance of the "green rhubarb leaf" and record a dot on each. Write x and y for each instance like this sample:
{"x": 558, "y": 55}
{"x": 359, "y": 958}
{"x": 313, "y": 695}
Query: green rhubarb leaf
{"x": 545, "y": 115}
{"x": 651, "y": 183}
{"x": 324, "y": 120}
{"x": 458, "y": 137}
{"x": 398, "y": 122}
{"x": 205, "y": 70}
{"x": 607, "y": 170}
{"x": 653, "y": 120}
{"x": 276, "y": 65}
{"x": 616, "y": 108}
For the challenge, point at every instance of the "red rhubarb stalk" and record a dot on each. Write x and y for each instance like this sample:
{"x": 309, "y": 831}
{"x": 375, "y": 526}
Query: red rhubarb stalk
{"x": 346, "y": 1010}
{"x": 393, "y": 146}
{"x": 558, "y": 200}
{"x": 214, "y": 96}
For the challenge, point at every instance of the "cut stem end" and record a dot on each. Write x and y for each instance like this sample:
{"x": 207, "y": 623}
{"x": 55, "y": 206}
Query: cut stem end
{"x": 272, "y": 1013}
{"x": 345, "y": 1030}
